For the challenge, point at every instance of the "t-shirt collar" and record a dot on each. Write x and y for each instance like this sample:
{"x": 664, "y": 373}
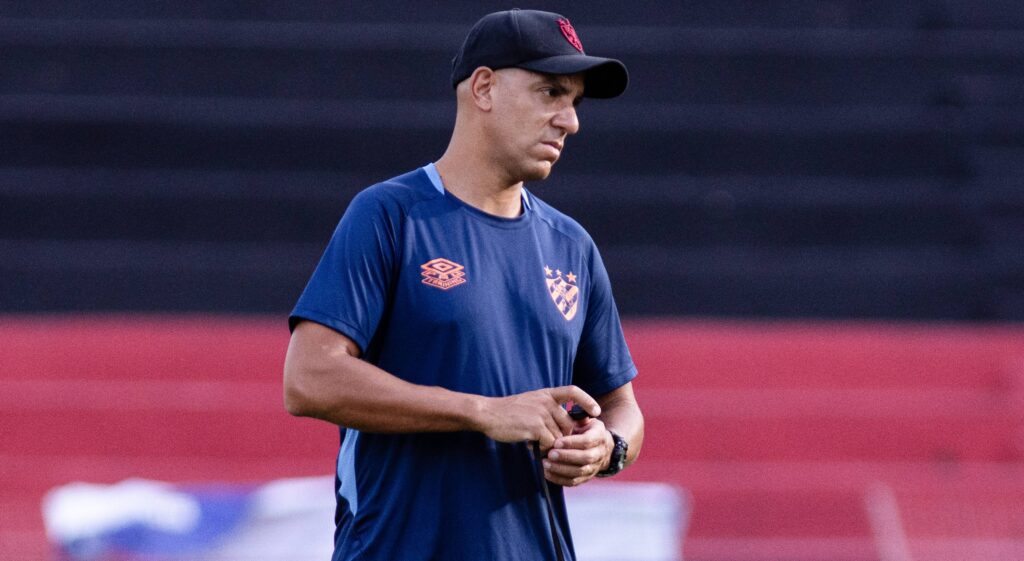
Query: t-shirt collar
{"x": 435, "y": 179}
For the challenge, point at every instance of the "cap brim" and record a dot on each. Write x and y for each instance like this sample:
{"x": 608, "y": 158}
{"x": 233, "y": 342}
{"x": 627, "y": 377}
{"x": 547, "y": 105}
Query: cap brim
{"x": 603, "y": 77}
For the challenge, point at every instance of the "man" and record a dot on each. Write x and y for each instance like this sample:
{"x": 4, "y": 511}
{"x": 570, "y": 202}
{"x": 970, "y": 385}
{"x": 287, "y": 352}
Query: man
{"x": 454, "y": 315}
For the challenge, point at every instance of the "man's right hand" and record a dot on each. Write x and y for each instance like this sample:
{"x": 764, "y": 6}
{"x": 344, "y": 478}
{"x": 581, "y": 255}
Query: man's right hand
{"x": 538, "y": 415}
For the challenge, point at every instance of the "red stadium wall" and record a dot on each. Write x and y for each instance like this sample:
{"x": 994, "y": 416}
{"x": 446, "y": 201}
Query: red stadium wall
{"x": 796, "y": 440}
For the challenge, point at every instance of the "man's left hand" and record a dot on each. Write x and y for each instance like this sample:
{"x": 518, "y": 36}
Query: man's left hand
{"x": 576, "y": 458}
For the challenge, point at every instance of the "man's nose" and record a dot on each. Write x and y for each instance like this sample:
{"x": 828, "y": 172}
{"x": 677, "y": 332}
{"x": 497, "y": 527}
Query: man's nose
{"x": 567, "y": 120}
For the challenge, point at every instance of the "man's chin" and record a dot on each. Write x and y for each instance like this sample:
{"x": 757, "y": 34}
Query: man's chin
{"x": 538, "y": 172}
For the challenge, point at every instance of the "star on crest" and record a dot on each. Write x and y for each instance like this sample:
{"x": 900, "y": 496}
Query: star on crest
{"x": 571, "y": 277}
{"x": 547, "y": 270}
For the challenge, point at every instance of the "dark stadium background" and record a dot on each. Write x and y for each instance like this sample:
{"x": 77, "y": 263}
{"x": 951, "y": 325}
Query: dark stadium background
{"x": 811, "y": 213}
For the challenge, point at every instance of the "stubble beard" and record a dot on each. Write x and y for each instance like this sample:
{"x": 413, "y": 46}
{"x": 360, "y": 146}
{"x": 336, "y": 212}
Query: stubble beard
{"x": 536, "y": 169}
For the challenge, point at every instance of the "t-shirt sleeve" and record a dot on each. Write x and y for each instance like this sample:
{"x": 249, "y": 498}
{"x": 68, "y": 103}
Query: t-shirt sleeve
{"x": 603, "y": 362}
{"x": 349, "y": 289}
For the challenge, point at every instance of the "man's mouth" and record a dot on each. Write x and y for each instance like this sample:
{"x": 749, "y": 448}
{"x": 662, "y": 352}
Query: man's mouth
{"x": 556, "y": 145}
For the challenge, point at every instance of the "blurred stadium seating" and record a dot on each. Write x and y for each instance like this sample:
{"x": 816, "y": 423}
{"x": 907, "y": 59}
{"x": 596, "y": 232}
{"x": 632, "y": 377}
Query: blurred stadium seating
{"x": 788, "y": 435}
{"x": 795, "y": 158}
{"x": 843, "y": 159}
{"x": 802, "y": 441}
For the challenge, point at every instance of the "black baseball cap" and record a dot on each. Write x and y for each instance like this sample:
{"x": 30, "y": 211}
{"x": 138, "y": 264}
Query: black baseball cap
{"x": 538, "y": 41}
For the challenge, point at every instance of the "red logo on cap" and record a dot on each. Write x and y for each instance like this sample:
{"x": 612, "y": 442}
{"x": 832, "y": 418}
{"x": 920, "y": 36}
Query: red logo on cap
{"x": 570, "y": 34}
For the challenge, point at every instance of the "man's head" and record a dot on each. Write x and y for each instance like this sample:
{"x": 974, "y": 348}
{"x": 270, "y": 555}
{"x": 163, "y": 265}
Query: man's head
{"x": 519, "y": 76}
{"x": 520, "y": 118}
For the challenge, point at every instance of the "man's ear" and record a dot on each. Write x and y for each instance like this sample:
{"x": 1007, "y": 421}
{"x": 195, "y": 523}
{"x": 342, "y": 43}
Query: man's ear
{"x": 481, "y": 86}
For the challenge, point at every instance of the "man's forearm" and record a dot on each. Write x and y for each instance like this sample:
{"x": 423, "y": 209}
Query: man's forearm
{"x": 621, "y": 414}
{"x": 324, "y": 380}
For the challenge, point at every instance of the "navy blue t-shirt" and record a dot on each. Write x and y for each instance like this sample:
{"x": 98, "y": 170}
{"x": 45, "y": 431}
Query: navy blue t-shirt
{"x": 440, "y": 293}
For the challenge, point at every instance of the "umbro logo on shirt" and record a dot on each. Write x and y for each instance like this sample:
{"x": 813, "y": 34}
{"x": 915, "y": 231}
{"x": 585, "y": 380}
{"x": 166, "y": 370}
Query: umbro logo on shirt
{"x": 442, "y": 273}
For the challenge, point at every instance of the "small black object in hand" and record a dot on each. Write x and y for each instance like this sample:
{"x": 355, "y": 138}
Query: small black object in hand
{"x": 577, "y": 413}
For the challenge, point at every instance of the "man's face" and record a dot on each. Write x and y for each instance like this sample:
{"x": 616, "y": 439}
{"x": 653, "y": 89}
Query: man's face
{"x": 533, "y": 115}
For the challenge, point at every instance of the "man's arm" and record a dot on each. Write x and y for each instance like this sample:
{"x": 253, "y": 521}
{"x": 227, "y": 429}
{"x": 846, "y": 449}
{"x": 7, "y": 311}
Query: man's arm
{"x": 577, "y": 458}
{"x": 325, "y": 379}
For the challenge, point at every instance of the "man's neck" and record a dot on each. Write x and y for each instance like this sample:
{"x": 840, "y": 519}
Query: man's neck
{"x": 480, "y": 185}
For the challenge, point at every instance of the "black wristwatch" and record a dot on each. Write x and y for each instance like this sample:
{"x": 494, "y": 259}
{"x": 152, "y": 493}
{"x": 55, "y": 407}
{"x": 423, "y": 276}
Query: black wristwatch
{"x": 618, "y": 459}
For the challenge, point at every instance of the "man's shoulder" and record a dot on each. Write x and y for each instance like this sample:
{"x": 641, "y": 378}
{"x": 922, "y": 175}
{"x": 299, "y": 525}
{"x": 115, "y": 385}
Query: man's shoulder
{"x": 397, "y": 194}
{"x": 560, "y": 221}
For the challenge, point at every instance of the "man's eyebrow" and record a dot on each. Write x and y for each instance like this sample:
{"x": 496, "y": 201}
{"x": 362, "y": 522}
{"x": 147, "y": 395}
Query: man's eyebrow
{"x": 564, "y": 84}
{"x": 550, "y": 80}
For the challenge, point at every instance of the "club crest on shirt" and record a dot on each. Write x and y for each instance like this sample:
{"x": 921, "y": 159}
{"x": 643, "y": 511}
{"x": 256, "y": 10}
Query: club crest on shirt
{"x": 563, "y": 291}
{"x": 442, "y": 273}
